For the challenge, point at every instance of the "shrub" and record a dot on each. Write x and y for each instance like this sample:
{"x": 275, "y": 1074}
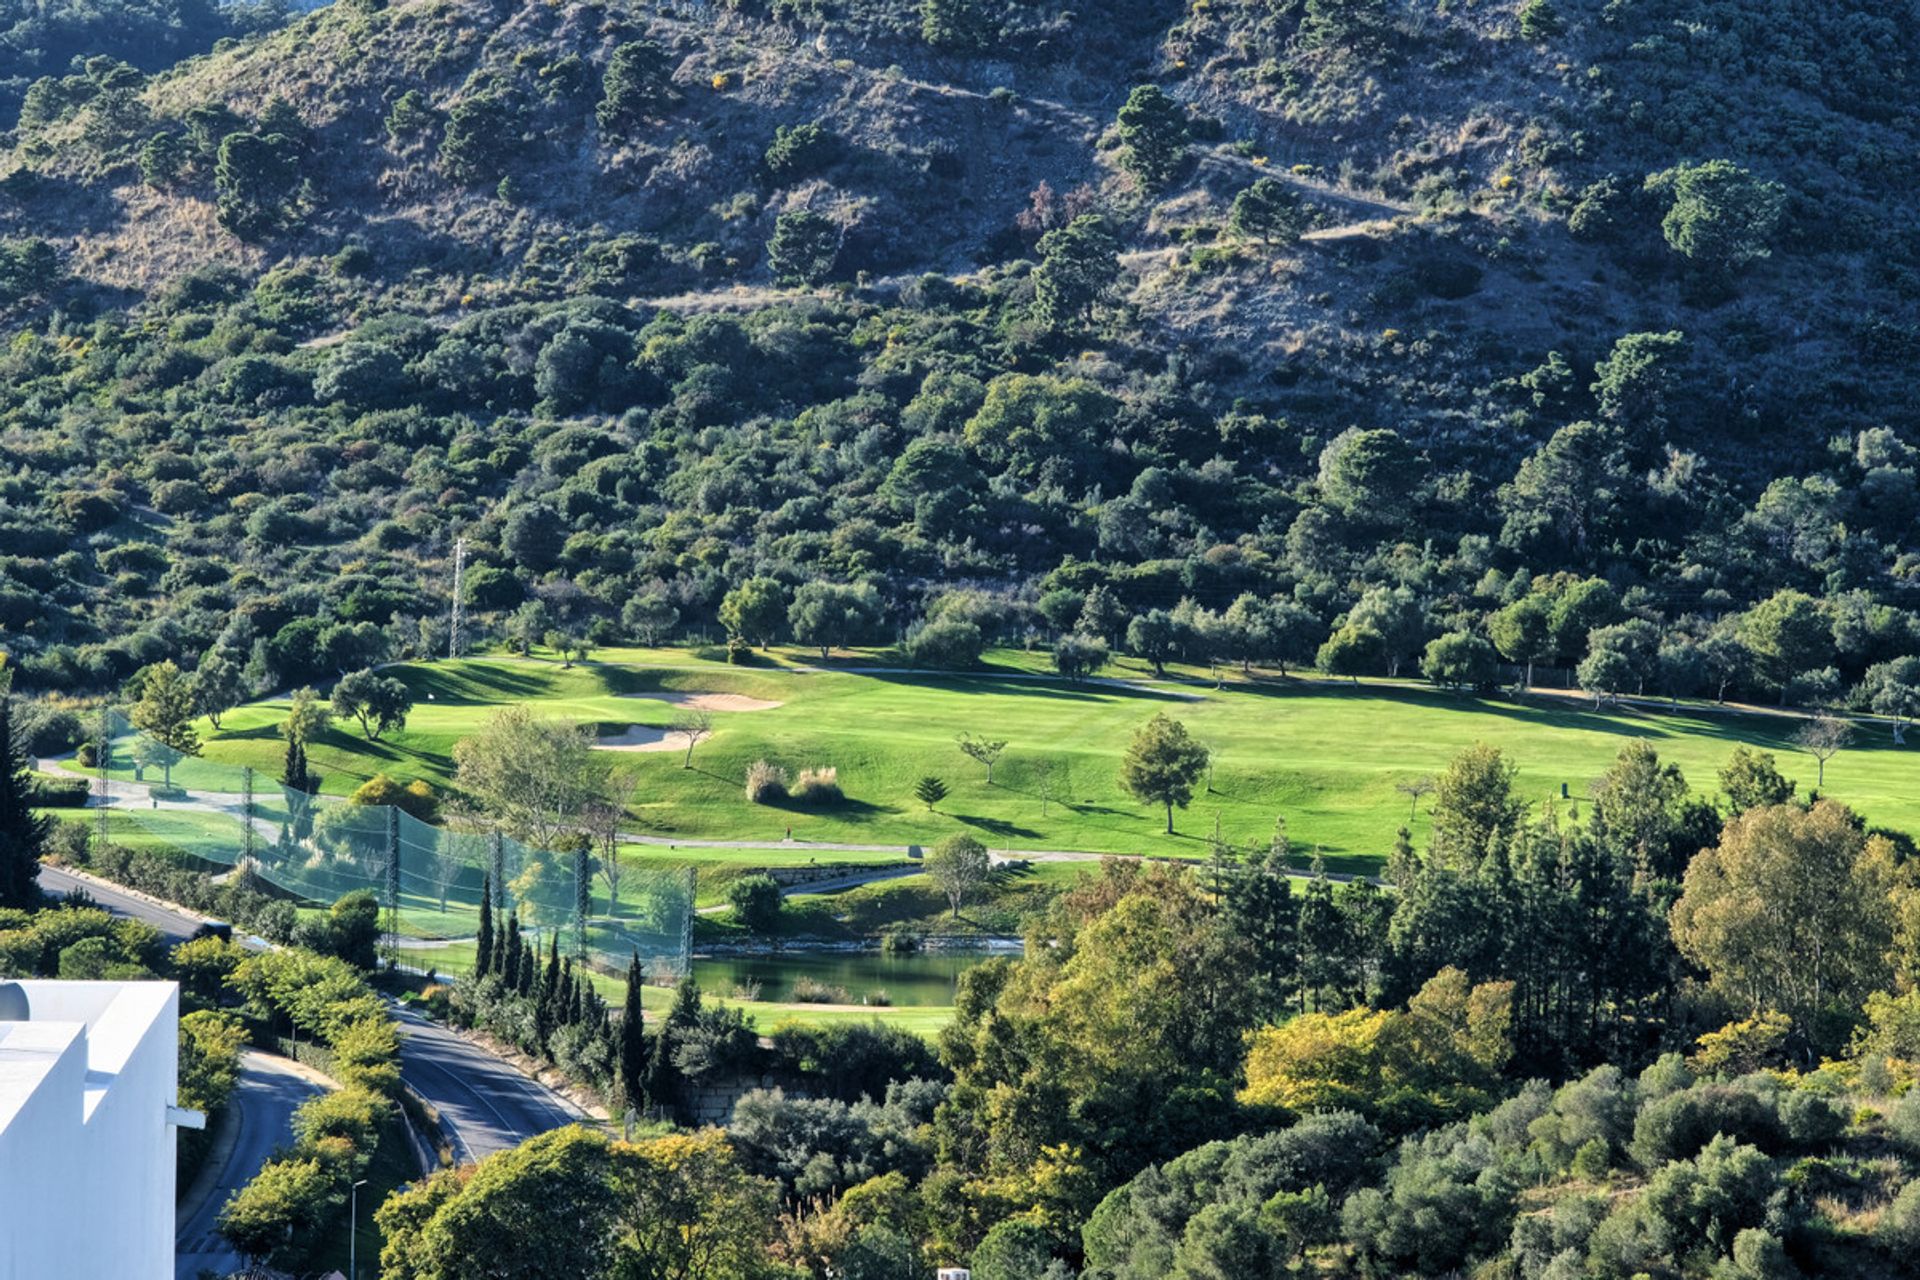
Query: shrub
{"x": 1903, "y": 1121}
{"x": 901, "y": 939}
{"x": 756, "y": 902}
{"x": 946, "y": 643}
{"x": 800, "y": 150}
{"x": 813, "y": 991}
{"x": 1679, "y": 1125}
{"x": 854, "y": 1060}
{"x": 49, "y": 792}
{"x": 1810, "y": 1120}
{"x": 1900, "y": 1225}
{"x": 766, "y": 783}
{"x": 44, "y": 730}
{"x": 818, "y": 786}
{"x": 1076, "y": 656}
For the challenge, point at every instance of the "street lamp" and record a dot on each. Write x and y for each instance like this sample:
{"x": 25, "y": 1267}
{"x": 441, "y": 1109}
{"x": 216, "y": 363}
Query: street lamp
{"x": 353, "y": 1230}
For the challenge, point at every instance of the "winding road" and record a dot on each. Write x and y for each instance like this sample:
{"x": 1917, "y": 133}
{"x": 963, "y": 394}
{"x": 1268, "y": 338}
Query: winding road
{"x": 175, "y": 926}
{"x": 260, "y": 1120}
{"x": 485, "y": 1103}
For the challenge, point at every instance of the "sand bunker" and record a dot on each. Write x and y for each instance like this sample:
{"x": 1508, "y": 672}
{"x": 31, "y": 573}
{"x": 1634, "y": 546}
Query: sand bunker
{"x": 640, "y": 738}
{"x": 708, "y": 701}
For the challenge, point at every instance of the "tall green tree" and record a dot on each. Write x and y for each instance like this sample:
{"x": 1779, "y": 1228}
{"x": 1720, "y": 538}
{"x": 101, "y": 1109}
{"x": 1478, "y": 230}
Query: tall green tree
{"x": 1475, "y": 812}
{"x": 536, "y": 776}
{"x": 755, "y": 610}
{"x": 638, "y": 85}
{"x": 1162, "y": 765}
{"x": 23, "y": 833}
{"x": 163, "y": 709}
{"x": 1523, "y": 633}
{"x": 380, "y": 703}
{"x": 1268, "y": 211}
{"x": 803, "y": 248}
{"x": 1786, "y": 634}
{"x": 1152, "y": 129}
{"x": 253, "y": 182}
{"x": 1719, "y": 215}
{"x": 959, "y": 865}
{"x": 666, "y": 1083}
{"x": 1791, "y": 912}
{"x": 831, "y": 615}
{"x": 633, "y": 1038}
{"x": 219, "y": 684}
{"x": 1079, "y": 264}
{"x": 962, "y": 26}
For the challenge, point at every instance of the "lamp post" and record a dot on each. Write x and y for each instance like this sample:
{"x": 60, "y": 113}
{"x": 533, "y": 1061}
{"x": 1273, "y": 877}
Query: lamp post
{"x": 353, "y": 1230}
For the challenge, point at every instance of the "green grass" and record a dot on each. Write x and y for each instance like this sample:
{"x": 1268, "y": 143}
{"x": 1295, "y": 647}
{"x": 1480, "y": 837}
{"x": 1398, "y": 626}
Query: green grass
{"x": 1325, "y": 757}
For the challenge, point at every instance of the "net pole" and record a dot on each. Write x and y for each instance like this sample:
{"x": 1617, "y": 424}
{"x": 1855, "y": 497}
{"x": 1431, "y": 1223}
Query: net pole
{"x": 497, "y": 862}
{"x": 103, "y": 758}
{"x": 248, "y": 847}
{"x": 582, "y": 900}
{"x": 393, "y": 883}
{"x": 685, "y": 958}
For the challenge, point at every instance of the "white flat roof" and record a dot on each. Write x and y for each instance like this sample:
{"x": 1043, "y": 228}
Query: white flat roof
{"x": 112, "y": 1017}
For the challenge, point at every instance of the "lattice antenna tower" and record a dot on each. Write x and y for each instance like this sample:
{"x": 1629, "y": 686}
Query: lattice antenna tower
{"x": 459, "y": 581}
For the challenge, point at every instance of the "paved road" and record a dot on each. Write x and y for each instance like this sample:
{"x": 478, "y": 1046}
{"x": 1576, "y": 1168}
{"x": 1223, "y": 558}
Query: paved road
{"x": 485, "y": 1104}
{"x": 175, "y": 925}
{"x": 261, "y": 1111}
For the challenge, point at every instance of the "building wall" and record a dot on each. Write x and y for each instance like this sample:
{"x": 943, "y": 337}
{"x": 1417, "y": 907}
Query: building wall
{"x": 87, "y": 1162}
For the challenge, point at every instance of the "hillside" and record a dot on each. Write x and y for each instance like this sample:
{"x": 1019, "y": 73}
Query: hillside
{"x": 1385, "y": 318}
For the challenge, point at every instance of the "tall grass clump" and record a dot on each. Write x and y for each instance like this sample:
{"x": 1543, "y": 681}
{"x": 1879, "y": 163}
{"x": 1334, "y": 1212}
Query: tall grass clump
{"x": 766, "y": 783}
{"x": 818, "y": 786}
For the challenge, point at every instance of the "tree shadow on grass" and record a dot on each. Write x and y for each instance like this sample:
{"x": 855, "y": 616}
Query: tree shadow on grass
{"x": 1553, "y": 713}
{"x": 473, "y": 685}
{"x": 997, "y": 826}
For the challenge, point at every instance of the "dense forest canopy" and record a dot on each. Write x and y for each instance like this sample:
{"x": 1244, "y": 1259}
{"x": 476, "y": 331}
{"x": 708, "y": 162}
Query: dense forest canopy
{"x": 1405, "y": 326}
{"x": 1497, "y": 342}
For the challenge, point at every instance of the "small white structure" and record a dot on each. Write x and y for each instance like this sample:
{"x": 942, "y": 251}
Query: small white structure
{"x": 88, "y": 1073}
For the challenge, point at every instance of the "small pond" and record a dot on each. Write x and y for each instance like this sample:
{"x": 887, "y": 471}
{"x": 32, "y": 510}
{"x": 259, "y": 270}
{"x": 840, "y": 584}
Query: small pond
{"x": 917, "y": 978}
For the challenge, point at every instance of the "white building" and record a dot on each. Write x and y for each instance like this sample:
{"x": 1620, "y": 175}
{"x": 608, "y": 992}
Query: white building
{"x": 87, "y": 1118}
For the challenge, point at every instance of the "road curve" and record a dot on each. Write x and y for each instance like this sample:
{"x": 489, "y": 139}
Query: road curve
{"x": 175, "y": 925}
{"x": 260, "y": 1113}
{"x": 485, "y": 1104}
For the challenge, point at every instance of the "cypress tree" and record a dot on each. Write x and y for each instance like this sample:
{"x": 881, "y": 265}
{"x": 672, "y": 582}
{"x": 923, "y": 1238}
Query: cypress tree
{"x": 530, "y": 970}
{"x": 633, "y": 1039}
{"x": 567, "y": 1006}
{"x": 23, "y": 834}
{"x": 510, "y": 971}
{"x": 293, "y": 765}
{"x": 663, "y": 1077}
{"x": 483, "y": 956}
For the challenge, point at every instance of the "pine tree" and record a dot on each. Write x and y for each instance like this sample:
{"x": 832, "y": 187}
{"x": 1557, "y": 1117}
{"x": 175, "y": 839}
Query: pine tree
{"x": 1261, "y": 911}
{"x": 633, "y": 1039}
{"x": 23, "y": 834}
{"x": 1323, "y": 944}
{"x": 483, "y": 953}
